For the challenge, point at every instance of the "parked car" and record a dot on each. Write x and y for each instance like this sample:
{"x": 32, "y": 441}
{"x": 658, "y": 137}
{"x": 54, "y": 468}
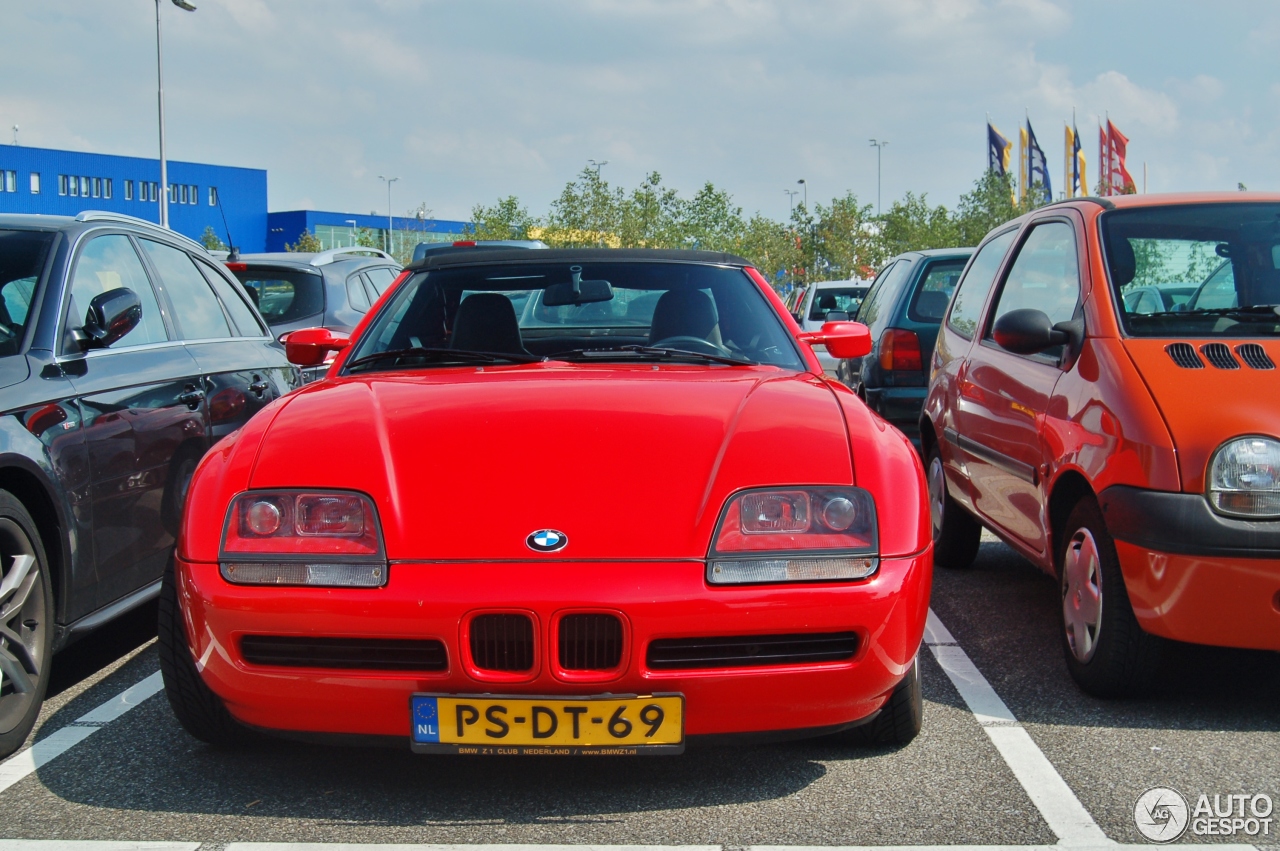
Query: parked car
{"x": 903, "y": 311}
{"x": 837, "y": 299}
{"x": 573, "y": 530}
{"x": 423, "y": 249}
{"x": 125, "y": 351}
{"x": 1217, "y": 291}
{"x": 1080, "y": 433}
{"x": 1157, "y": 298}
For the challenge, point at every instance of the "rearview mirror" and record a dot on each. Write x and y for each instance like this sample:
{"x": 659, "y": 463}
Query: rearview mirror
{"x": 1027, "y": 331}
{"x": 111, "y": 315}
{"x": 577, "y": 291}
{"x": 308, "y": 346}
{"x": 842, "y": 339}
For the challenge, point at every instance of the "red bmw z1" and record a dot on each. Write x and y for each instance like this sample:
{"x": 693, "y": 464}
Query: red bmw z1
{"x": 585, "y": 502}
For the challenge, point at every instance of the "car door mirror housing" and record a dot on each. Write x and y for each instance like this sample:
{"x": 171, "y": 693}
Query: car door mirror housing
{"x": 842, "y": 339}
{"x": 111, "y": 315}
{"x": 1028, "y": 331}
{"x": 309, "y": 346}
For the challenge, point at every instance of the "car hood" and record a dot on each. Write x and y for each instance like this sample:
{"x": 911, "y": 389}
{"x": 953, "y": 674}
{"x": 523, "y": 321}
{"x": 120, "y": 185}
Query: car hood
{"x": 1205, "y": 406}
{"x": 628, "y": 462}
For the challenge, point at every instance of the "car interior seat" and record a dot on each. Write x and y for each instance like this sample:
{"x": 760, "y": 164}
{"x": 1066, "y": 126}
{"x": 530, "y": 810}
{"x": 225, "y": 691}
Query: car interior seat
{"x": 685, "y": 313}
{"x": 486, "y": 322}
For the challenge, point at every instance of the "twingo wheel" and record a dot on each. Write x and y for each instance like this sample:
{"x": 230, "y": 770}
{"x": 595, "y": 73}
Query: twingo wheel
{"x": 26, "y": 623}
{"x": 899, "y": 720}
{"x": 198, "y": 709}
{"x": 1107, "y": 652}
{"x": 956, "y": 535}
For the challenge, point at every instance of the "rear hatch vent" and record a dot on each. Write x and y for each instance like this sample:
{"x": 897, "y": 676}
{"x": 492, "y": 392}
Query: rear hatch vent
{"x": 1254, "y": 356}
{"x": 590, "y": 642}
{"x": 740, "y": 651}
{"x": 502, "y": 642}
{"x": 1184, "y": 355}
{"x": 1220, "y": 356}
{"x": 373, "y": 654}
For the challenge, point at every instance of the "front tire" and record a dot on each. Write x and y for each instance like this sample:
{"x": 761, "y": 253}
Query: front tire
{"x": 898, "y": 721}
{"x": 26, "y": 623}
{"x": 956, "y": 535}
{"x": 1108, "y": 654}
{"x": 198, "y": 709}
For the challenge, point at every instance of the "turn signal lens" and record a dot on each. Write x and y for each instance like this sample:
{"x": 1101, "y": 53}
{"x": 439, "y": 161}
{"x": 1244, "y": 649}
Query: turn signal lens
{"x": 322, "y": 575}
{"x": 809, "y": 534}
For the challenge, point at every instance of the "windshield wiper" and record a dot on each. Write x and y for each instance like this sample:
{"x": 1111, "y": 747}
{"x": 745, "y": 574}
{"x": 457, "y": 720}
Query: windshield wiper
{"x": 650, "y": 352}
{"x": 441, "y": 355}
{"x": 1252, "y": 313}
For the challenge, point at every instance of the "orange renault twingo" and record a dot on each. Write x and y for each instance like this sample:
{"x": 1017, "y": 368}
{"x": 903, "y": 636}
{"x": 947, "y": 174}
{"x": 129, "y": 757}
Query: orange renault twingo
{"x": 1104, "y": 397}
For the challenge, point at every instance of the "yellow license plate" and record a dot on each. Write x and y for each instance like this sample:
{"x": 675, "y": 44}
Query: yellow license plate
{"x": 491, "y": 726}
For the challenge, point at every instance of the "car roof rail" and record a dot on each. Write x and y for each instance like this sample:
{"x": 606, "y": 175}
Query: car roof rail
{"x": 324, "y": 258}
{"x": 121, "y": 218}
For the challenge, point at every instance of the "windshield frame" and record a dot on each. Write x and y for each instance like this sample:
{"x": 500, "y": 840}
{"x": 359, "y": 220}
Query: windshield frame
{"x": 366, "y": 344}
{"x": 1123, "y": 316}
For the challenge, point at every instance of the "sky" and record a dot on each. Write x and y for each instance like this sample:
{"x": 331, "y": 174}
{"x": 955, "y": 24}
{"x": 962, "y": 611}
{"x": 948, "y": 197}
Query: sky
{"x": 467, "y": 101}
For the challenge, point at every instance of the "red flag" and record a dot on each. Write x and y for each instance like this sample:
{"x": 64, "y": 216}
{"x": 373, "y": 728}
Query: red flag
{"x": 1104, "y": 160}
{"x": 1121, "y": 181}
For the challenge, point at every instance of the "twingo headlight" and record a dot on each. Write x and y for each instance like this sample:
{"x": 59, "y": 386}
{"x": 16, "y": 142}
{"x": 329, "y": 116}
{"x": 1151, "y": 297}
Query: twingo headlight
{"x": 317, "y": 538}
{"x": 800, "y": 534}
{"x": 1244, "y": 478}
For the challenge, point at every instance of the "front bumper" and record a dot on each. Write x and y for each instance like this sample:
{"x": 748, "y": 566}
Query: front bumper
{"x": 1193, "y": 575}
{"x": 656, "y": 600}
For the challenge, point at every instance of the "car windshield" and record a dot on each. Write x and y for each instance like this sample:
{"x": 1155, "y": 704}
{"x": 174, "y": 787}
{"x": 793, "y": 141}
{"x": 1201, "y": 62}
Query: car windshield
{"x": 842, "y": 300}
{"x": 1196, "y": 270}
{"x": 22, "y": 256}
{"x": 591, "y": 311}
{"x": 283, "y": 295}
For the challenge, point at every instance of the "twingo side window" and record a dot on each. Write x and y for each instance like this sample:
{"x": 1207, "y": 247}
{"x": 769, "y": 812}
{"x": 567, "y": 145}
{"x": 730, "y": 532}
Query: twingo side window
{"x": 971, "y": 292}
{"x": 1044, "y": 276}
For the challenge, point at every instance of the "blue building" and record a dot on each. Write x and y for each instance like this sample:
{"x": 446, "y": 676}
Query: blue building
{"x": 340, "y": 230}
{"x": 53, "y": 182}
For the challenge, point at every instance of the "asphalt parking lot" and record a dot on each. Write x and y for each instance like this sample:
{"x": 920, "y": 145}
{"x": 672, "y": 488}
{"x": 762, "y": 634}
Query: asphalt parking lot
{"x": 1211, "y": 727}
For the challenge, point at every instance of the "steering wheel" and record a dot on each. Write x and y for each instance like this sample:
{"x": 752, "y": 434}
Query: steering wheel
{"x": 693, "y": 344}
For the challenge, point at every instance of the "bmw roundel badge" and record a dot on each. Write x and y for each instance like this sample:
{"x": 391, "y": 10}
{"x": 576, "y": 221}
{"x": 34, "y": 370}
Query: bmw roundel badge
{"x": 546, "y": 541}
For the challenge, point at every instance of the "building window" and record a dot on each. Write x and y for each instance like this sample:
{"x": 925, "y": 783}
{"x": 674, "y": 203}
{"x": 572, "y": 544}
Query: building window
{"x": 96, "y": 183}
{"x": 62, "y": 184}
{"x": 84, "y": 187}
{"x": 75, "y": 186}
{"x": 195, "y": 194}
{"x": 106, "y": 187}
{"x": 10, "y": 181}
{"x": 35, "y": 183}
{"x": 153, "y": 191}
{"x": 213, "y": 196}
{"x": 128, "y": 190}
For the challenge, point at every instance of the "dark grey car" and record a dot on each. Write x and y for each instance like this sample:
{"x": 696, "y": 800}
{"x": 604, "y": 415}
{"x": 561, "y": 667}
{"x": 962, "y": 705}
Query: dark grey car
{"x": 126, "y": 350}
{"x": 903, "y": 309}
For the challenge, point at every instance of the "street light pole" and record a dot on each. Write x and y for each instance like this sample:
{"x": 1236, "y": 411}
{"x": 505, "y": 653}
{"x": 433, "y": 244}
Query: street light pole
{"x": 806, "y": 194}
{"x": 791, "y": 196}
{"x": 598, "y": 165}
{"x": 164, "y": 167}
{"x": 878, "y": 144}
{"x": 389, "y": 180}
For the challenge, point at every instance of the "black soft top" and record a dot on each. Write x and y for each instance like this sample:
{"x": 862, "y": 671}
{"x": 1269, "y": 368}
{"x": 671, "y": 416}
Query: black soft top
{"x": 486, "y": 256}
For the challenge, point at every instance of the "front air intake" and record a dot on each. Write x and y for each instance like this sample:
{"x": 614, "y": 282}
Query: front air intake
{"x": 1220, "y": 356}
{"x": 371, "y": 654}
{"x": 1254, "y": 356}
{"x": 590, "y": 642}
{"x": 741, "y": 651}
{"x": 502, "y": 642}
{"x": 1184, "y": 355}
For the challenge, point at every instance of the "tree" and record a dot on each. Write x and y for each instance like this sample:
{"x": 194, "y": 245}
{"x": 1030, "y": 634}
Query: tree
{"x": 912, "y": 225}
{"x": 988, "y": 205}
{"x": 506, "y": 219}
{"x": 209, "y": 239}
{"x": 307, "y": 243}
{"x": 846, "y": 239}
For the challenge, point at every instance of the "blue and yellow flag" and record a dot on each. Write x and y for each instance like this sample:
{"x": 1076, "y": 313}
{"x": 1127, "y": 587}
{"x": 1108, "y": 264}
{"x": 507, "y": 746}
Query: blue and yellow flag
{"x": 999, "y": 149}
{"x": 1037, "y": 168}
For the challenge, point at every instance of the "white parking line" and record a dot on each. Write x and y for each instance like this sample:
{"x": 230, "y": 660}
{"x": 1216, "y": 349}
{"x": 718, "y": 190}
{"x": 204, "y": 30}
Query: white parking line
{"x": 92, "y": 845}
{"x": 54, "y": 745}
{"x": 1110, "y": 846}
{"x": 1058, "y": 805}
{"x": 324, "y": 846}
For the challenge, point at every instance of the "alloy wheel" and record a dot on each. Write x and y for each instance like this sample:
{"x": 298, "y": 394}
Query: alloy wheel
{"x": 1082, "y": 595}
{"x": 22, "y": 624}
{"x": 937, "y": 495}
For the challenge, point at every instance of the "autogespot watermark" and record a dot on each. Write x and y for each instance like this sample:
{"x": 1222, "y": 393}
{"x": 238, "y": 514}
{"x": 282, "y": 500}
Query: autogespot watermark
{"x": 1163, "y": 815}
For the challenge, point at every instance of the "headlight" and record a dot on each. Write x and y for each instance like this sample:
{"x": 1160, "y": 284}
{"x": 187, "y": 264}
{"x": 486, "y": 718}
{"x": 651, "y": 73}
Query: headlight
{"x": 803, "y": 534}
{"x": 303, "y": 538}
{"x": 1244, "y": 478}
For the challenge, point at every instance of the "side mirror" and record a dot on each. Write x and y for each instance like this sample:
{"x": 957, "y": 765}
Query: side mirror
{"x": 111, "y": 315}
{"x": 837, "y": 316}
{"x": 1027, "y": 332}
{"x": 842, "y": 339}
{"x": 309, "y": 346}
